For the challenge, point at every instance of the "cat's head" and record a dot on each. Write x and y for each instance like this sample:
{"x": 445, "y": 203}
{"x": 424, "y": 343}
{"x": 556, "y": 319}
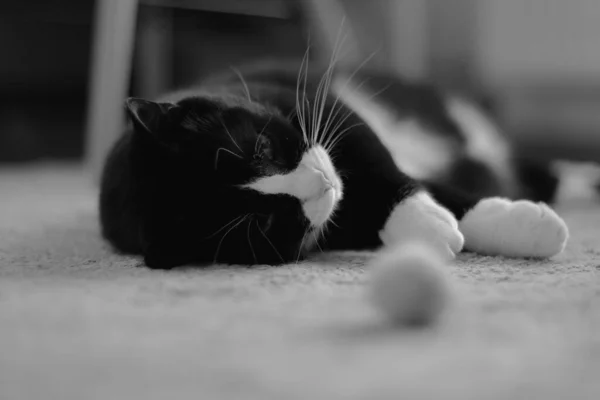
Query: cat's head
{"x": 240, "y": 178}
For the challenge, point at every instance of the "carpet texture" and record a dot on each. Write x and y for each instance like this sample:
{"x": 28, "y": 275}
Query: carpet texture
{"x": 79, "y": 322}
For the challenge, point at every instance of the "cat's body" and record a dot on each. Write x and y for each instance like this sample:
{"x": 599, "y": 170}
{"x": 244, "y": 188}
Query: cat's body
{"x": 261, "y": 166}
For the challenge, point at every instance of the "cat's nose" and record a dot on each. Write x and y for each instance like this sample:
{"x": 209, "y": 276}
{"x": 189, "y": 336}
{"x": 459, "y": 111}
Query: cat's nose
{"x": 326, "y": 183}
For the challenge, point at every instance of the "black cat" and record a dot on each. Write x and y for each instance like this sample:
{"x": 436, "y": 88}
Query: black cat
{"x": 265, "y": 164}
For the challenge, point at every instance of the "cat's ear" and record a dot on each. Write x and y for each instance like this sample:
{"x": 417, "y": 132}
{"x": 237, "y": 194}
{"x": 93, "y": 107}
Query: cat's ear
{"x": 150, "y": 116}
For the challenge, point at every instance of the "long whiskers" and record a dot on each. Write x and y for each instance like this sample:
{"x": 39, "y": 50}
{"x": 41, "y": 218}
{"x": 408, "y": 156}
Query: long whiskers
{"x": 309, "y": 123}
{"x": 225, "y": 235}
{"x": 329, "y": 129}
{"x": 318, "y": 128}
{"x": 334, "y": 139}
{"x": 332, "y": 222}
{"x": 227, "y": 151}
{"x": 300, "y": 106}
{"x": 348, "y": 80}
{"x": 343, "y": 119}
{"x": 223, "y": 227}
{"x": 318, "y": 245}
{"x": 266, "y": 124}
{"x": 271, "y": 243}
{"x": 302, "y": 244}
{"x": 243, "y": 81}
{"x": 324, "y": 86}
{"x": 231, "y": 136}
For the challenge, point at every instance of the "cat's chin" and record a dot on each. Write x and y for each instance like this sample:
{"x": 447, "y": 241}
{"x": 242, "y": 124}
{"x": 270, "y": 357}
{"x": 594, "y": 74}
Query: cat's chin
{"x": 319, "y": 210}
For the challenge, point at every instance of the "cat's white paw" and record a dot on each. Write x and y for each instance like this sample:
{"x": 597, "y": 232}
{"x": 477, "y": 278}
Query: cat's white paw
{"x": 521, "y": 228}
{"x": 419, "y": 217}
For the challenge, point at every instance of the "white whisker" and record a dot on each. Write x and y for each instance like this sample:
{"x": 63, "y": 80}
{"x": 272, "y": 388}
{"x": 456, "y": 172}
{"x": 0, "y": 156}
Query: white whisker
{"x": 301, "y": 108}
{"x": 306, "y": 102}
{"x": 223, "y": 227}
{"x": 302, "y": 245}
{"x": 271, "y": 243}
{"x": 227, "y": 151}
{"x": 225, "y": 235}
{"x": 243, "y": 81}
{"x": 266, "y": 124}
{"x": 334, "y": 131}
{"x": 317, "y": 243}
{"x": 349, "y": 79}
{"x": 368, "y": 98}
{"x": 339, "y": 136}
{"x": 231, "y": 137}
{"x": 333, "y": 112}
{"x": 325, "y": 83}
{"x": 343, "y": 120}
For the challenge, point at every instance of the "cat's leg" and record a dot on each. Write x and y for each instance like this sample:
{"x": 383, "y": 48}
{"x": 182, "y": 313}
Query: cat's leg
{"x": 392, "y": 210}
{"x": 420, "y": 217}
{"x": 498, "y": 226}
{"x": 383, "y": 205}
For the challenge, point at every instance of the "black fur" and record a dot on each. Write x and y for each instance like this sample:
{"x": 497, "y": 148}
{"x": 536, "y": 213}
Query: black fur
{"x": 166, "y": 195}
{"x": 170, "y": 188}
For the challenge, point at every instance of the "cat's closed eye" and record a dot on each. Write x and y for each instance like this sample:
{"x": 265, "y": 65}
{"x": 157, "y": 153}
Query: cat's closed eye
{"x": 263, "y": 150}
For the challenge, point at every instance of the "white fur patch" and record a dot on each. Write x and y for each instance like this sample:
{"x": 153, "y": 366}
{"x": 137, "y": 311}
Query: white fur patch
{"x": 419, "y": 217}
{"x": 314, "y": 182}
{"x": 497, "y": 226}
{"x": 417, "y": 151}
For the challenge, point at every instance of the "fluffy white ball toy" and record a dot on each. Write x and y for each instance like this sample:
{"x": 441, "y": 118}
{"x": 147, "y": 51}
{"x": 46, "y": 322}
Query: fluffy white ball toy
{"x": 410, "y": 285}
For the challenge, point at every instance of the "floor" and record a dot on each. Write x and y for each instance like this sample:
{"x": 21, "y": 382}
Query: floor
{"x": 79, "y": 322}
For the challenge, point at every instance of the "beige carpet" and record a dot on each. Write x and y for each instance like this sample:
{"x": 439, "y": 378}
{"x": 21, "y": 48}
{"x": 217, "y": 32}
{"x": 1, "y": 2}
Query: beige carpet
{"x": 78, "y": 322}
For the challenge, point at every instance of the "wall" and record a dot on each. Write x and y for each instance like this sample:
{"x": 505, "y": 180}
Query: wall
{"x": 44, "y": 47}
{"x": 539, "y": 39}
{"x": 542, "y": 59}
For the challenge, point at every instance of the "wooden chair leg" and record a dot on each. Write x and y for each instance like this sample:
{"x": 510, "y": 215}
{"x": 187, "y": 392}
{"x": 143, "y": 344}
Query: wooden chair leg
{"x": 110, "y": 72}
{"x": 154, "y": 52}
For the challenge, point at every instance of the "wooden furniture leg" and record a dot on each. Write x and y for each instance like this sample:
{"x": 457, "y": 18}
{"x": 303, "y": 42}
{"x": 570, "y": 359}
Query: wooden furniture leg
{"x": 110, "y": 73}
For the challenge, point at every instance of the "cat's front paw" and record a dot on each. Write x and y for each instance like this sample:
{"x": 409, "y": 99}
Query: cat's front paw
{"x": 419, "y": 217}
{"x": 497, "y": 226}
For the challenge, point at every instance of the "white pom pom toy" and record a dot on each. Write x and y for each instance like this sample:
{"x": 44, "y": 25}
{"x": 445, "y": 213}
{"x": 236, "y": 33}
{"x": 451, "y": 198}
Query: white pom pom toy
{"x": 410, "y": 285}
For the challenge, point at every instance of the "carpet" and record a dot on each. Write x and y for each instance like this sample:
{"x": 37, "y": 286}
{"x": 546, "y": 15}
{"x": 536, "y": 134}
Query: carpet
{"x": 80, "y": 322}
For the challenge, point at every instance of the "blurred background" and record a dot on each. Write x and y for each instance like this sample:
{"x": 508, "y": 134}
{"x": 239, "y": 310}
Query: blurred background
{"x": 67, "y": 64}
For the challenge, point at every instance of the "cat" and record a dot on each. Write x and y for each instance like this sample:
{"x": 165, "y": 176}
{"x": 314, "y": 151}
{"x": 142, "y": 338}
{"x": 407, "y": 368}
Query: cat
{"x": 268, "y": 163}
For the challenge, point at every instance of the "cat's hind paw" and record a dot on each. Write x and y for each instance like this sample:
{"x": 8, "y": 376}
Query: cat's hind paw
{"x": 498, "y": 226}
